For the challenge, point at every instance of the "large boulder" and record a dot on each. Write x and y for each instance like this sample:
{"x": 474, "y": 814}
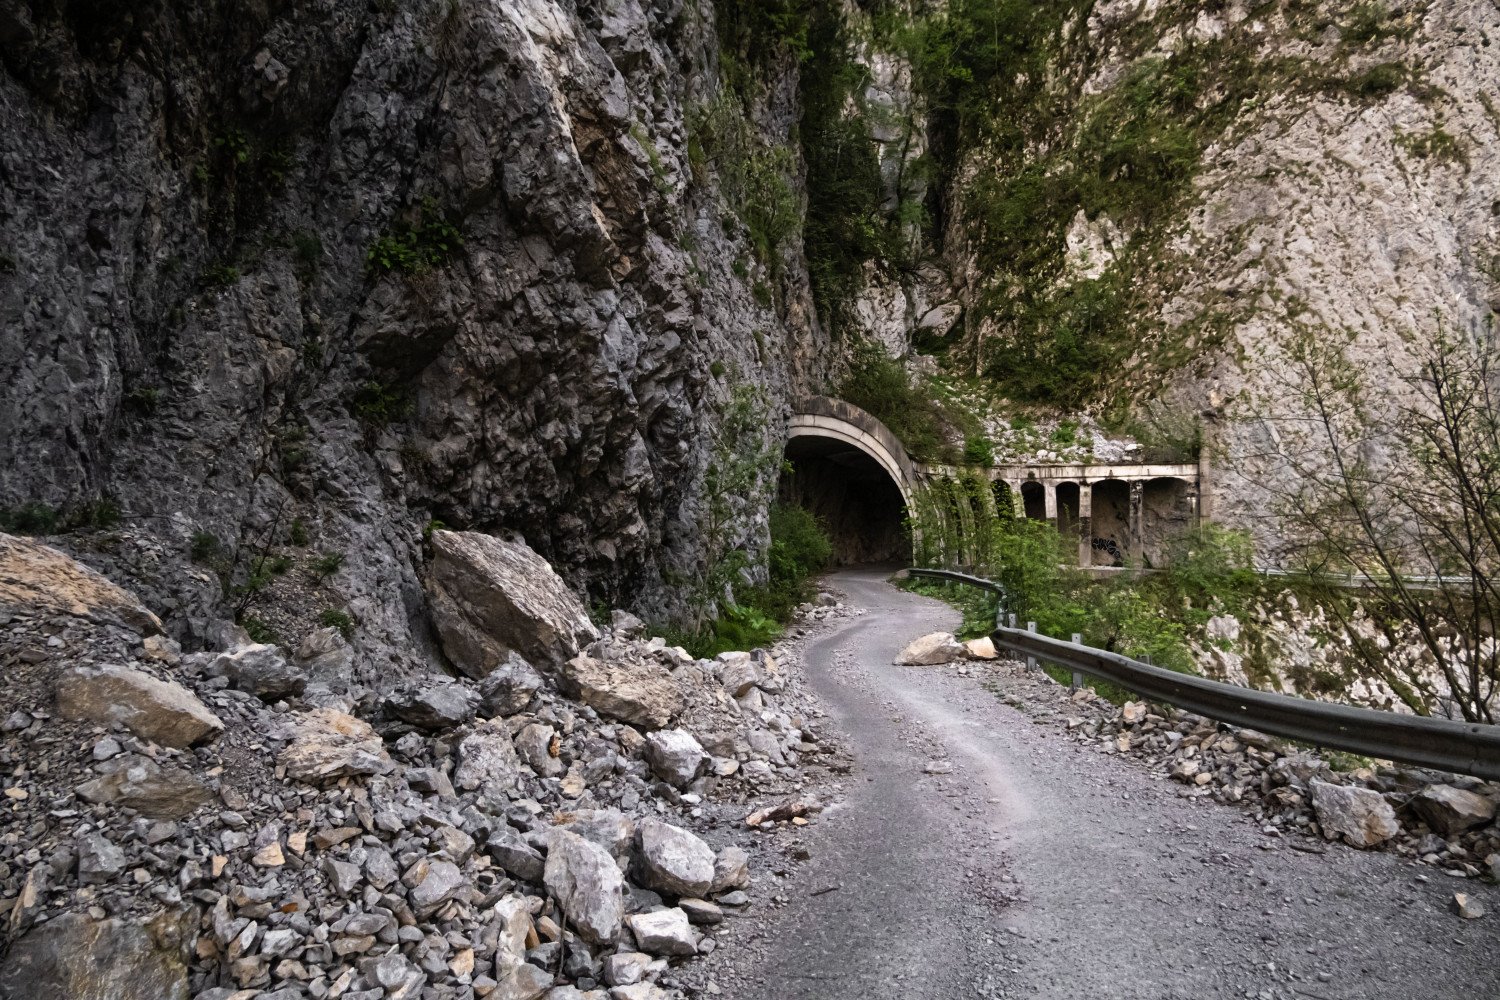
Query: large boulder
{"x": 435, "y": 706}
{"x": 675, "y": 756}
{"x": 328, "y": 745}
{"x": 673, "y": 861}
{"x": 77, "y": 957}
{"x": 1450, "y": 810}
{"x": 262, "y": 670}
{"x": 326, "y": 653}
{"x": 160, "y": 711}
{"x": 931, "y": 650}
{"x": 643, "y": 694}
{"x": 487, "y": 760}
{"x": 609, "y": 828}
{"x": 509, "y": 688}
{"x": 139, "y": 783}
{"x": 490, "y": 596}
{"x": 587, "y": 884}
{"x": 38, "y": 578}
{"x": 1360, "y": 816}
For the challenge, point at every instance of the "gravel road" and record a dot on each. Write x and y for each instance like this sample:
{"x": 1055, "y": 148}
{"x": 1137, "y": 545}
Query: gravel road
{"x": 1038, "y": 868}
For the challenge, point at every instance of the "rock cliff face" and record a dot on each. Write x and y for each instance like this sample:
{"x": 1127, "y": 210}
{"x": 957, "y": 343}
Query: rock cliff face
{"x": 1179, "y": 195}
{"x": 287, "y": 282}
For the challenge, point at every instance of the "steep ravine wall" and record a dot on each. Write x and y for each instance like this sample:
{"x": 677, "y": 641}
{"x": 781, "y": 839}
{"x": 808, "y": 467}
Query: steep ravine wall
{"x": 292, "y": 281}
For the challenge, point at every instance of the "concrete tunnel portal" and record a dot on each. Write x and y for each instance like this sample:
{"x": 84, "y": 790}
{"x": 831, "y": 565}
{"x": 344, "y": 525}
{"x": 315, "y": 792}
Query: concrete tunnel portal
{"x": 851, "y": 472}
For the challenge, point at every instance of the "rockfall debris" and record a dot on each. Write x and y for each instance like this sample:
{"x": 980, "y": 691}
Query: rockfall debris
{"x": 558, "y": 820}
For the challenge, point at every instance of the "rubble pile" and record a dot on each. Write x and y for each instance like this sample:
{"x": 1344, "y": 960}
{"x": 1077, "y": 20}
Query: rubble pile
{"x": 240, "y": 822}
{"x": 1440, "y": 819}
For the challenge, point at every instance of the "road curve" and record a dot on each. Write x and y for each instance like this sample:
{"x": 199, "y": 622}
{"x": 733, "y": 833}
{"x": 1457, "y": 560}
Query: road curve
{"x": 1038, "y": 868}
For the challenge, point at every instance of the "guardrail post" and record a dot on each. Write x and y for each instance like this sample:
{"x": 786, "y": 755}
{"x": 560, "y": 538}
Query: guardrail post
{"x": 1012, "y": 620}
{"x": 1031, "y": 660}
{"x": 1077, "y": 677}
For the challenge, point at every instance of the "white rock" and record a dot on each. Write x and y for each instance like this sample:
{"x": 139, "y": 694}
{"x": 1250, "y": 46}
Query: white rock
{"x": 931, "y": 650}
{"x": 664, "y": 932}
{"x": 1361, "y": 816}
{"x": 675, "y": 756}
{"x": 674, "y": 861}
{"x": 586, "y": 883}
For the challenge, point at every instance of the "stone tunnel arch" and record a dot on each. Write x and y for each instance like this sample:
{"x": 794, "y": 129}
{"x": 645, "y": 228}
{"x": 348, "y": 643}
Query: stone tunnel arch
{"x": 847, "y": 467}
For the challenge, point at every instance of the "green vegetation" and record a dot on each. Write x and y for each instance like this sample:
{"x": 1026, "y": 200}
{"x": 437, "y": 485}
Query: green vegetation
{"x": 1437, "y": 144}
{"x": 220, "y": 276}
{"x": 379, "y": 404}
{"x": 799, "y": 550}
{"x": 1377, "y": 81}
{"x": 204, "y": 547}
{"x": 34, "y": 518}
{"x": 341, "y": 620}
{"x": 326, "y": 565}
{"x": 879, "y": 385}
{"x": 37, "y": 518}
{"x": 298, "y": 532}
{"x": 143, "y": 400}
{"x": 258, "y": 630}
{"x": 978, "y": 450}
{"x": 307, "y": 249}
{"x": 754, "y": 177}
{"x": 961, "y": 524}
{"x": 415, "y": 247}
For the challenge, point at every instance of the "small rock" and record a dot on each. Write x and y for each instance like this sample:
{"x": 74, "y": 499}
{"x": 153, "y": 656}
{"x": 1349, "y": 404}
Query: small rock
{"x": 664, "y": 932}
{"x": 262, "y": 670}
{"x": 586, "y": 883}
{"x": 99, "y": 860}
{"x": 1450, "y": 810}
{"x": 1468, "y": 907}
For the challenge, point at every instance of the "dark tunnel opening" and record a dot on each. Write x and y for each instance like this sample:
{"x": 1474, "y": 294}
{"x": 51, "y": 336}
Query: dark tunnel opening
{"x": 859, "y": 504}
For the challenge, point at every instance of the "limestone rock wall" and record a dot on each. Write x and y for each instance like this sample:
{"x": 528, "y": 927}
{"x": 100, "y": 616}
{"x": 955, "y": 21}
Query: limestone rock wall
{"x": 292, "y": 281}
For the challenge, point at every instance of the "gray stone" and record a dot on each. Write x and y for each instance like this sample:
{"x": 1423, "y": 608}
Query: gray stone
{"x": 433, "y": 882}
{"x": 262, "y": 670}
{"x": 155, "y": 710}
{"x": 1467, "y": 907}
{"x": 514, "y": 855}
{"x": 433, "y": 707}
{"x": 640, "y": 693}
{"x": 326, "y": 653}
{"x": 537, "y": 746}
{"x": 342, "y": 876}
{"x": 1360, "y": 816}
{"x": 731, "y": 870}
{"x": 1450, "y": 810}
{"x": 701, "y": 911}
{"x": 675, "y": 756}
{"x": 737, "y": 673}
{"x": 673, "y": 861}
{"x": 487, "y": 760}
{"x": 664, "y": 932}
{"x": 626, "y": 967}
{"x": 625, "y": 625}
{"x": 99, "y": 860}
{"x": 586, "y": 882}
{"x": 489, "y": 596}
{"x": 78, "y": 958}
{"x": 609, "y": 828}
{"x": 509, "y": 687}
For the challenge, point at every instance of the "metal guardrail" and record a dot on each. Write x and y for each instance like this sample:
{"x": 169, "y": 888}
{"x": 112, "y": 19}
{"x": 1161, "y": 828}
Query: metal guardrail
{"x": 1460, "y": 747}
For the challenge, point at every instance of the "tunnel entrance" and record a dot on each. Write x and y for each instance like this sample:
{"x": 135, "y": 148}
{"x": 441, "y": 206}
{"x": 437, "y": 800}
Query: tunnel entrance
{"x": 852, "y": 494}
